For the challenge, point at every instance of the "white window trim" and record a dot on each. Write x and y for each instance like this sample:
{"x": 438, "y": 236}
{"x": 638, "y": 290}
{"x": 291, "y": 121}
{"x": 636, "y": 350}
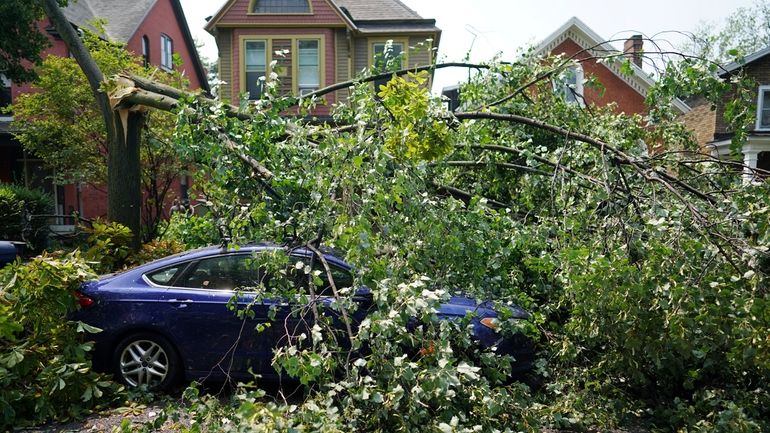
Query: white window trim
{"x": 758, "y": 126}
{"x": 166, "y": 55}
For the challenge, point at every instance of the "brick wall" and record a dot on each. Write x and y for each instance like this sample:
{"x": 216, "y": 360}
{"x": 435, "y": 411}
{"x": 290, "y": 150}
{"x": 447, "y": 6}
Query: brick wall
{"x": 701, "y": 120}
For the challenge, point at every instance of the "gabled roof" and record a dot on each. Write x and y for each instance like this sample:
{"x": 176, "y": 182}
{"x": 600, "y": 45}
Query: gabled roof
{"x": 751, "y": 58}
{"x": 364, "y": 16}
{"x": 581, "y": 34}
{"x": 124, "y": 18}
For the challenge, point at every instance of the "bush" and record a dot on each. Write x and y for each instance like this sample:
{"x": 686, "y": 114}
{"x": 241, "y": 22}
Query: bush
{"x": 108, "y": 245}
{"x": 154, "y": 250}
{"x": 45, "y": 371}
{"x": 17, "y": 203}
{"x": 191, "y": 230}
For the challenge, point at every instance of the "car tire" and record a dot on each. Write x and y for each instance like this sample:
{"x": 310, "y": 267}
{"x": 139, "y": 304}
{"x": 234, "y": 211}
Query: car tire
{"x": 146, "y": 359}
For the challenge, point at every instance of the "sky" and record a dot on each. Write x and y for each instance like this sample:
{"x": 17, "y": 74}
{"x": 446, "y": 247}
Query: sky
{"x": 488, "y": 27}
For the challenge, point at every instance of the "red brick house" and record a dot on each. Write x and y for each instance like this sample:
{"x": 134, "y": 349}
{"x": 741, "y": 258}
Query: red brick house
{"x": 627, "y": 92}
{"x": 155, "y": 29}
{"x": 314, "y": 43}
{"x": 714, "y": 133}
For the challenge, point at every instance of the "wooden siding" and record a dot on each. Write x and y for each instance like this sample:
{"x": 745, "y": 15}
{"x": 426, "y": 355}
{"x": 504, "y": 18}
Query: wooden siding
{"x": 322, "y": 14}
{"x": 342, "y": 60}
{"x": 284, "y": 64}
{"x": 418, "y": 57}
{"x": 225, "y": 45}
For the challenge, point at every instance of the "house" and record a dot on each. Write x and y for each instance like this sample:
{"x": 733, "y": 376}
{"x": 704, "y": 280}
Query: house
{"x": 574, "y": 39}
{"x": 314, "y": 43}
{"x": 714, "y": 133}
{"x": 155, "y": 29}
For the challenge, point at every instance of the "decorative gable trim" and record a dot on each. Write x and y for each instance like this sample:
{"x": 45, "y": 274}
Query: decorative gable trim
{"x": 215, "y": 21}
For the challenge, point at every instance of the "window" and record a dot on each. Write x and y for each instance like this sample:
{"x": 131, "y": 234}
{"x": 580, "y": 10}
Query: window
{"x": 308, "y": 66}
{"x": 571, "y": 85}
{"x": 166, "y": 52}
{"x": 235, "y": 271}
{"x": 280, "y": 7}
{"x": 164, "y": 276}
{"x": 5, "y": 94}
{"x": 145, "y": 51}
{"x": 763, "y": 108}
{"x": 256, "y": 67}
{"x": 388, "y": 56}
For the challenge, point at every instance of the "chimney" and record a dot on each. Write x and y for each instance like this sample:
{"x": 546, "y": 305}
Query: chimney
{"x": 633, "y": 49}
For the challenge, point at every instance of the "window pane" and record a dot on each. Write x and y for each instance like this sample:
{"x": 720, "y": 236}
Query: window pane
{"x": 309, "y": 70}
{"x": 163, "y": 276}
{"x": 225, "y": 273}
{"x": 342, "y": 277}
{"x": 764, "y": 119}
{"x": 392, "y": 56}
{"x": 255, "y": 56}
{"x": 281, "y": 6}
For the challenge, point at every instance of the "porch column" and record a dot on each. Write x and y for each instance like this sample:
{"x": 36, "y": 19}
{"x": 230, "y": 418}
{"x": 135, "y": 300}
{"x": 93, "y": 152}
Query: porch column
{"x": 750, "y": 157}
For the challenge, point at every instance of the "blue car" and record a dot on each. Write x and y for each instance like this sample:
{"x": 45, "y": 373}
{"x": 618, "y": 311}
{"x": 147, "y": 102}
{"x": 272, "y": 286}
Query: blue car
{"x": 175, "y": 318}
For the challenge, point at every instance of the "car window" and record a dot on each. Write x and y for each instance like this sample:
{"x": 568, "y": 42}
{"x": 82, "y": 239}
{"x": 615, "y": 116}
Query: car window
{"x": 228, "y": 272}
{"x": 342, "y": 277}
{"x": 164, "y": 276}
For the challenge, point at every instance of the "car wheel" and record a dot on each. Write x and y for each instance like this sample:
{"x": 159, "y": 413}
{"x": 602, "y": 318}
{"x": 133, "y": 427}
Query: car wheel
{"x": 146, "y": 359}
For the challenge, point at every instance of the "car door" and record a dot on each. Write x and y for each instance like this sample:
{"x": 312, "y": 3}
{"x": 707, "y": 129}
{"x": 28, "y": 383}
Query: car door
{"x": 218, "y": 320}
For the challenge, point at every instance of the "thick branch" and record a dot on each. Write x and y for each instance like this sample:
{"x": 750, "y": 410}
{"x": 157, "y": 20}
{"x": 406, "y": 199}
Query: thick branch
{"x": 505, "y": 165}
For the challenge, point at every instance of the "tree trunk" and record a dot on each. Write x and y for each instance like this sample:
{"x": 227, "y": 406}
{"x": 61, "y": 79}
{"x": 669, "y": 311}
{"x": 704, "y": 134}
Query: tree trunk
{"x": 124, "y": 186}
{"x": 123, "y": 138}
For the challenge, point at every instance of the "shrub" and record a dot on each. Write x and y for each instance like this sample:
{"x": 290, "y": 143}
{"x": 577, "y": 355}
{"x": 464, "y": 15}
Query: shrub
{"x": 108, "y": 245}
{"x": 191, "y": 230}
{"x": 156, "y": 249}
{"x": 45, "y": 371}
{"x": 18, "y": 203}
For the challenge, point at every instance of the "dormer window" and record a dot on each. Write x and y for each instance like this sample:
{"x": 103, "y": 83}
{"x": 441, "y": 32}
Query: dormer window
{"x": 280, "y": 7}
{"x": 763, "y": 109}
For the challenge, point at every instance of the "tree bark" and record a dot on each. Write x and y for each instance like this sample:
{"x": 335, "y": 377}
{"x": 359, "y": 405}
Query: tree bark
{"x": 123, "y": 139}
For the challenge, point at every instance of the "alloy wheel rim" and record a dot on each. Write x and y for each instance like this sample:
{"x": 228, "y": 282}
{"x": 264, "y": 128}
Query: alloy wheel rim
{"x": 144, "y": 362}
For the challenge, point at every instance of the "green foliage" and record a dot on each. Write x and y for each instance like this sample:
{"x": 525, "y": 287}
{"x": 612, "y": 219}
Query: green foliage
{"x": 61, "y": 124}
{"x": 19, "y": 204}
{"x": 418, "y": 129}
{"x": 45, "y": 371}
{"x": 646, "y": 272}
{"x": 108, "y": 246}
{"x": 192, "y": 231}
{"x": 156, "y": 249}
{"x": 21, "y": 41}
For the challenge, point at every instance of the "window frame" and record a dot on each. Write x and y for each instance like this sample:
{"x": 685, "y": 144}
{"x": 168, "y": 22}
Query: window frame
{"x": 404, "y": 42}
{"x": 299, "y": 90}
{"x": 268, "y": 39}
{"x": 244, "y": 67}
{"x": 166, "y": 52}
{"x": 760, "y": 105}
{"x": 253, "y": 4}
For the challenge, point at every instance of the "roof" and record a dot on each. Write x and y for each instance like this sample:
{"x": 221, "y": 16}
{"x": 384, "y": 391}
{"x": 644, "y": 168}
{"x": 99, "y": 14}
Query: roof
{"x": 123, "y": 18}
{"x": 751, "y": 58}
{"x": 365, "y": 16}
{"x": 580, "y": 33}
{"x": 377, "y": 10}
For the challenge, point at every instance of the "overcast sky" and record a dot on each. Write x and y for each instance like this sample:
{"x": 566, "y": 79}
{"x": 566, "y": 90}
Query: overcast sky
{"x": 506, "y": 25}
